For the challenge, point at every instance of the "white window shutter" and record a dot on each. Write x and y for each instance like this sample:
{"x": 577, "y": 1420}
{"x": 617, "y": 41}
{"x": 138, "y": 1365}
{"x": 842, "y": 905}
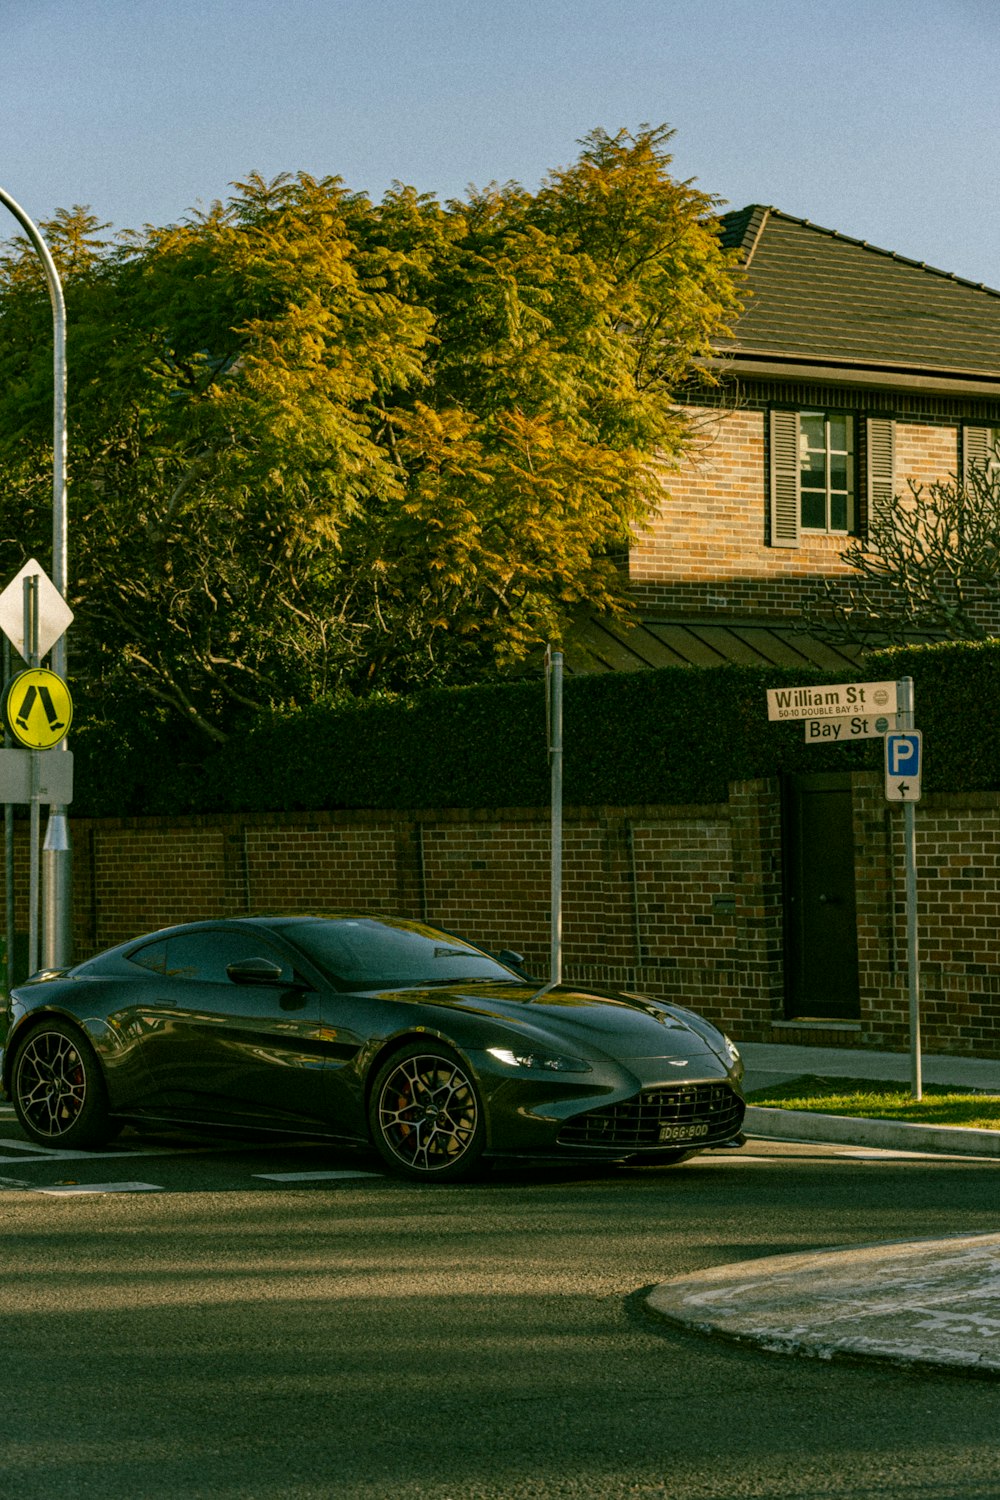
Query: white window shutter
{"x": 784, "y": 479}
{"x": 881, "y": 448}
{"x": 976, "y": 449}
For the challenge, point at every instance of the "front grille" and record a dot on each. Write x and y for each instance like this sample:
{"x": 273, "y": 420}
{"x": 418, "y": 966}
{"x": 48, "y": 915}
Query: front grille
{"x": 699, "y": 1113}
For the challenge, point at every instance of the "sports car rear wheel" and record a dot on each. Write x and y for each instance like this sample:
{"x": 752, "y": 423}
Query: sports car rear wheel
{"x": 426, "y": 1115}
{"x": 58, "y": 1089}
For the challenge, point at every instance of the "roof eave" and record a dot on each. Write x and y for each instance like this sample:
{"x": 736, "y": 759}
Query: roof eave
{"x": 852, "y": 372}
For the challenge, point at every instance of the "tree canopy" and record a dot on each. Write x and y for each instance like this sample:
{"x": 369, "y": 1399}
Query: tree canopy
{"x": 320, "y": 444}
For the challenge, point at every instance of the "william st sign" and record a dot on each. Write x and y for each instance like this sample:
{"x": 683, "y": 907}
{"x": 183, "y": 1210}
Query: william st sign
{"x": 849, "y": 700}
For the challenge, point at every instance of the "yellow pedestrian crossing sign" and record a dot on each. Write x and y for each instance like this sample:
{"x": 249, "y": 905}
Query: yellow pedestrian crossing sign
{"x": 38, "y": 708}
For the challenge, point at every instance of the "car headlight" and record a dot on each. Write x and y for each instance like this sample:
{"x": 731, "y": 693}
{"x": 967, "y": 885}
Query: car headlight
{"x": 732, "y": 1050}
{"x": 547, "y": 1061}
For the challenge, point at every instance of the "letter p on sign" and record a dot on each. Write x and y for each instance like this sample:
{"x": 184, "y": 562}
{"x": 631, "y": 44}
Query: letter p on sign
{"x": 902, "y": 766}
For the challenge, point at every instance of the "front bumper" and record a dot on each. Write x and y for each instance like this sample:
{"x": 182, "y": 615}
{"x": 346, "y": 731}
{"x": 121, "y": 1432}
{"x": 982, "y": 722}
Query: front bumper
{"x": 615, "y": 1111}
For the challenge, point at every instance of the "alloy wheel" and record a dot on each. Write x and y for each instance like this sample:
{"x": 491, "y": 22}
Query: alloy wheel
{"x": 58, "y": 1088}
{"x": 428, "y": 1114}
{"x": 51, "y": 1082}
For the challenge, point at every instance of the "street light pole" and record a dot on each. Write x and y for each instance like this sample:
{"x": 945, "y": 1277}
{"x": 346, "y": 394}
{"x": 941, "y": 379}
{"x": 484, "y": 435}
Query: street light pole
{"x": 57, "y": 855}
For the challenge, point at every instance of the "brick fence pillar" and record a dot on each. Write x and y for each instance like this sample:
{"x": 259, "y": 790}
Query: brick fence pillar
{"x": 755, "y": 823}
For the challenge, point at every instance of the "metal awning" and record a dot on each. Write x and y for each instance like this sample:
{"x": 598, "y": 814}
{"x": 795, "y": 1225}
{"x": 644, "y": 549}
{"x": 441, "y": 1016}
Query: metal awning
{"x": 661, "y": 641}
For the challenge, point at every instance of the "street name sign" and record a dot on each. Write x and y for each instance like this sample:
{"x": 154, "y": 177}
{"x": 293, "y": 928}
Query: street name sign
{"x": 861, "y": 727}
{"x": 903, "y": 765}
{"x": 828, "y": 702}
{"x": 54, "y": 614}
{"x": 55, "y": 777}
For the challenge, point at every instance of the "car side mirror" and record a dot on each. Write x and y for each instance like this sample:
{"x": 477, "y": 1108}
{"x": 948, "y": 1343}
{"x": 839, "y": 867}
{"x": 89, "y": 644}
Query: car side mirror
{"x": 510, "y": 958}
{"x": 254, "y": 971}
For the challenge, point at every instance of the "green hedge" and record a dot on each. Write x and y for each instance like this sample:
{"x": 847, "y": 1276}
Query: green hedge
{"x": 678, "y": 735}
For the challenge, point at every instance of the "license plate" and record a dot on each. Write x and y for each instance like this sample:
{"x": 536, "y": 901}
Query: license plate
{"x": 682, "y": 1132}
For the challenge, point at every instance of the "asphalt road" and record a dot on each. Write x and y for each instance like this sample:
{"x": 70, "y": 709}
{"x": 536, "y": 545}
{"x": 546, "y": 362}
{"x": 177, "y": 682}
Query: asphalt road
{"x": 199, "y": 1321}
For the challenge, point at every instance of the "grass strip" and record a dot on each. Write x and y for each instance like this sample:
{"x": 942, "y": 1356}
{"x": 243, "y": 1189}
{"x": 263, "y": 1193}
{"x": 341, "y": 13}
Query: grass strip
{"x": 872, "y": 1100}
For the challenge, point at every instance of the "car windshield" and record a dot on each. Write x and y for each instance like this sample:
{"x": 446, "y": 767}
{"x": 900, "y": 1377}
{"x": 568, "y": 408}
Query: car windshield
{"x": 363, "y": 953}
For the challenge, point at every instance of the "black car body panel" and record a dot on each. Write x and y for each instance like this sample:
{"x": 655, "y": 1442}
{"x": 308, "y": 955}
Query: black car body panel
{"x": 286, "y": 1041}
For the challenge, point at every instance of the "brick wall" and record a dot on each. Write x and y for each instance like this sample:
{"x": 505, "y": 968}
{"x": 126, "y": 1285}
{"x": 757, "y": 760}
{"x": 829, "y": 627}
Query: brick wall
{"x": 682, "y": 902}
{"x": 925, "y": 454}
{"x": 958, "y": 893}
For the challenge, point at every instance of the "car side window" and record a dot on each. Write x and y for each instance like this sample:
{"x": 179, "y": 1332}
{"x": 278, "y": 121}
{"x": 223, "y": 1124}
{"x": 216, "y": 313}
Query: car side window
{"x": 204, "y": 956}
{"x": 153, "y": 956}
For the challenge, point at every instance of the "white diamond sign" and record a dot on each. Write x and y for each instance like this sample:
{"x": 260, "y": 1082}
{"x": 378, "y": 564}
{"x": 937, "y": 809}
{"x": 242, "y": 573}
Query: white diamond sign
{"x": 54, "y": 614}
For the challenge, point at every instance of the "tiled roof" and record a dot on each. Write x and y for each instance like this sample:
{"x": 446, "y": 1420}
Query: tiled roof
{"x": 819, "y": 296}
{"x": 597, "y": 646}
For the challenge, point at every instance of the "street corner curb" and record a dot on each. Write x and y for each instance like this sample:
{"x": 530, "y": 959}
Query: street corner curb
{"x": 898, "y": 1135}
{"x": 922, "y": 1304}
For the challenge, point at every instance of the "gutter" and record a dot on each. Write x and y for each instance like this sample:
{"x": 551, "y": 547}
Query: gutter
{"x": 790, "y": 367}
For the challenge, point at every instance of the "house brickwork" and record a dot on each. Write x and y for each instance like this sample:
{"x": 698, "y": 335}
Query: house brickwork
{"x": 925, "y": 454}
{"x": 684, "y": 903}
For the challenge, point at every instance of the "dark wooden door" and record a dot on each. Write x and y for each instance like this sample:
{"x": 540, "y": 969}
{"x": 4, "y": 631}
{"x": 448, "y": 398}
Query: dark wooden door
{"x": 821, "y": 936}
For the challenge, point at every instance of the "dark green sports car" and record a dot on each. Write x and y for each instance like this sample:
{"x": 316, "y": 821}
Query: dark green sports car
{"x": 367, "y": 1030}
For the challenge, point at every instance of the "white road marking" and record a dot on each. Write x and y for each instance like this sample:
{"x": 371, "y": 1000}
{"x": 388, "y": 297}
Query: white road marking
{"x": 49, "y": 1153}
{"x": 837, "y": 1149}
{"x": 311, "y": 1176}
{"x": 736, "y": 1156}
{"x": 75, "y": 1189}
{"x": 52, "y": 1153}
{"x": 873, "y": 1155}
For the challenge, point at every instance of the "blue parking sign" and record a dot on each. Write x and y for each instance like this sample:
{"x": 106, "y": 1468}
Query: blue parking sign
{"x": 903, "y": 764}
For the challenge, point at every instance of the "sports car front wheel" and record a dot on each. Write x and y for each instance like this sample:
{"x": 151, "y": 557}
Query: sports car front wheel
{"x": 426, "y": 1115}
{"x": 58, "y": 1089}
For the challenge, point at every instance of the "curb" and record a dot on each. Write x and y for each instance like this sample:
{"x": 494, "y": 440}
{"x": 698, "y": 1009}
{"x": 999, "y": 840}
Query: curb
{"x": 898, "y": 1135}
{"x": 910, "y": 1303}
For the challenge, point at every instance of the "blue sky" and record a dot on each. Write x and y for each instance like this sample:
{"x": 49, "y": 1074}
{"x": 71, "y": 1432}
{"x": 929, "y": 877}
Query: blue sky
{"x": 877, "y": 118}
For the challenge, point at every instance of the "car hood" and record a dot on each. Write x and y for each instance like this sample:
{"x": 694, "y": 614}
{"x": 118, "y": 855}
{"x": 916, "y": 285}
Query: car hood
{"x": 617, "y": 1024}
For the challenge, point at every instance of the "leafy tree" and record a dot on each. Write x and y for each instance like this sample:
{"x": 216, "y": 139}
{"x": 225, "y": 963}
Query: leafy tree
{"x": 929, "y": 564}
{"x": 322, "y": 445}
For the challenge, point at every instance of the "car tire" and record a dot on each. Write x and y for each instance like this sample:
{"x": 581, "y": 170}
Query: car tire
{"x": 426, "y": 1114}
{"x": 58, "y": 1089}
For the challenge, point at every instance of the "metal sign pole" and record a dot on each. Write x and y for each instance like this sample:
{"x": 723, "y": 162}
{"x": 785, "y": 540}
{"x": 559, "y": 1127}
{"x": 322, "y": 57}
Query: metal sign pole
{"x": 8, "y": 841}
{"x": 30, "y": 586}
{"x": 905, "y": 721}
{"x": 555, "y": 674}
{"x": 58, "y": 848}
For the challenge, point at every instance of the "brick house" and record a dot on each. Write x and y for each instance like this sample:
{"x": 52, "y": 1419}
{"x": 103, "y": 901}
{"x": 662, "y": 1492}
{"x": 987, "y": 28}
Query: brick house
{"x": 850, "y": 372}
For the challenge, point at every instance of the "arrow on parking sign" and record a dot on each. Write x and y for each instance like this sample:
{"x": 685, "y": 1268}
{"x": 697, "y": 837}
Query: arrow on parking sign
{"x": 903, "y": 765}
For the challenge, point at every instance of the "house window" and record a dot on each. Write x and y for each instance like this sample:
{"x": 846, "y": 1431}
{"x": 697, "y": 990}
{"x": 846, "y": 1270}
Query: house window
{"x": 826, "y": 471}
{"x": 981, "y": 448}
{"x": 814, "y": 473}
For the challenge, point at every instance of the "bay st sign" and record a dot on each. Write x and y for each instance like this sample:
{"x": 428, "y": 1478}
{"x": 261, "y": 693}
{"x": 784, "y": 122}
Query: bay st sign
{"x": 860, "y": 727}
{"x": 845, "y": 701}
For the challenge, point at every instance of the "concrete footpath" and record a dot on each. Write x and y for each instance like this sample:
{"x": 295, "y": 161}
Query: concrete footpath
{"x": 929, "y": 1303}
